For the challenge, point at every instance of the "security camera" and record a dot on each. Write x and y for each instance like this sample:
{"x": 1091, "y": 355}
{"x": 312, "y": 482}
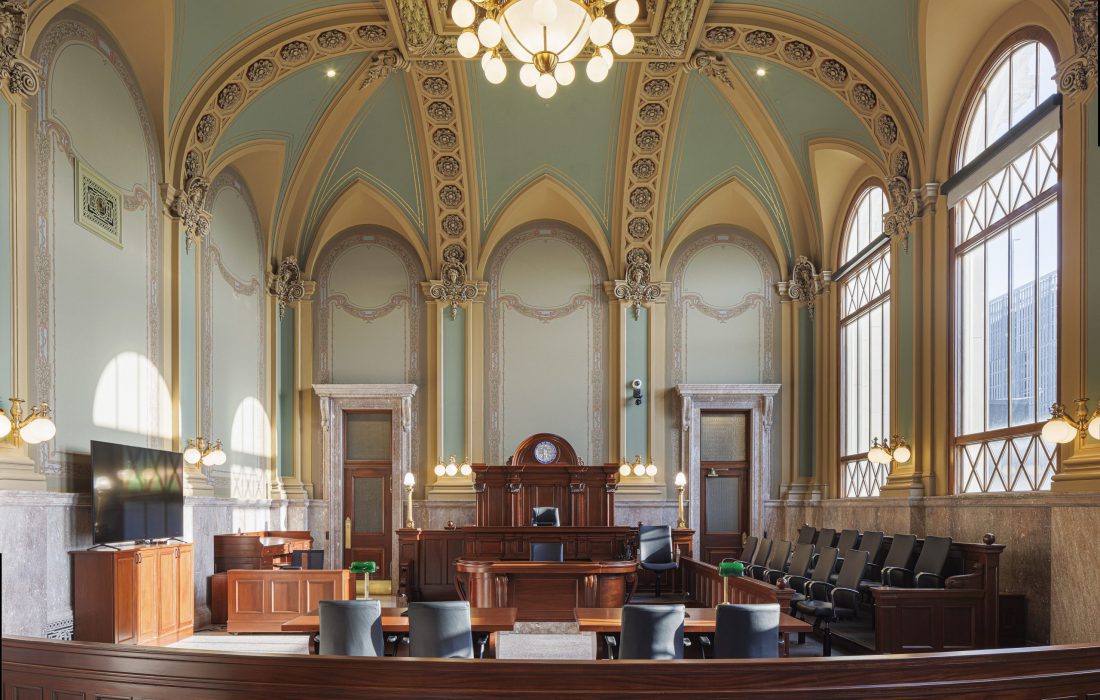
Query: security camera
{"x": 636, "y": 385}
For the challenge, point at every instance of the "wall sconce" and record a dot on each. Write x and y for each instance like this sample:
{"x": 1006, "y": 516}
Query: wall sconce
{"x": 452, "y": 468}
{"x": 636, "y": 386}
{"x": 886, "y": 452}
{"x": 410, "y": 482}
{"x": 638, "y": 468}
{"x": 35, "y": 427}
{"x": 1063, "y": 429}
{"x": 681, "y": 482}
{"x": 199, "y": 450}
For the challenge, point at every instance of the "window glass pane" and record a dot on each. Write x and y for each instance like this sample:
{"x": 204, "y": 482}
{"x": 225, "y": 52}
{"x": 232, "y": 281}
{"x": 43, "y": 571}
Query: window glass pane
{"x": 1022, "y": 342}
{"x": 975, "y": 138}
{"x": 997, "y": 320}
{"x": 1047, "y": 370}
{"x": 1024, "y": 84}
{"x": 368, "y": 436}
{"x": 369, "y": 506}
{"x": 723, "y": 504}
{"x": 722, "y": 437}
{"x": 971, "y": 372}
{"x": 997, "y": 104}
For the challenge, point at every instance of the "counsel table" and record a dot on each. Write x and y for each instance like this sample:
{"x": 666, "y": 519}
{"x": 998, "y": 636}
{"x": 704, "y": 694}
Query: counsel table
{"x": 697, "y": 621}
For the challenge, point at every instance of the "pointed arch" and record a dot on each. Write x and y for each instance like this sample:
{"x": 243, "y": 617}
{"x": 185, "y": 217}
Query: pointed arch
{"x": 841, "y": 168}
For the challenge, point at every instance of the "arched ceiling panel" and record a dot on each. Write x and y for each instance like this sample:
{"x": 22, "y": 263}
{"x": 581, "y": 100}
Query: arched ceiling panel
{"x": 380, "y": 146}
{"x": 712, "y": 146}
{"x": 518, "y": 136}
{"x": 207, "y": 29}
{"x": 886, "y": 28}
{"x": 803, "y": 111}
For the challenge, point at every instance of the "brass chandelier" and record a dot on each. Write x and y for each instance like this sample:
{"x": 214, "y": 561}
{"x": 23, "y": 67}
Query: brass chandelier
{"x": 545, "y": 36}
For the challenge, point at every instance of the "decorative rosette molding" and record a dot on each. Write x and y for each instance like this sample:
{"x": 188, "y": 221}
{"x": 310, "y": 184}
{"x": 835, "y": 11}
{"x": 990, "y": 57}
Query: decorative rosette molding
{"x": 805, "y": 284}
{"x": 1078, "y": 72}
{"x": 638, "y": 289}
{"x": 453, "y": 288}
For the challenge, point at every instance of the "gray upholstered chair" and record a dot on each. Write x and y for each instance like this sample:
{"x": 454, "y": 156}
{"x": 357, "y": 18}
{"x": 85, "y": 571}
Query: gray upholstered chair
{"x": 652, "y": 632}
{"x": 351, "y": 628}
{"x": 897, "y": 557}
{"x": 545, "y": 516}
{"x": 747, "y": 631}
{"x": 547, "y": 551}
{"x": 798, "y": 565}
{"x": 655, "y": 551}
{"x": 826, "y": 603}
{"x": 806, "y": 534}
{"x": 927, "y": 572}
{"x": 441, "y": 630}
{"x": 777, "y": 560}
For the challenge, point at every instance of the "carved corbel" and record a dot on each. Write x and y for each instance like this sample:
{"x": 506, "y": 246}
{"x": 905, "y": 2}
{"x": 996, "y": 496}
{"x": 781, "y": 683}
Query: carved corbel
{"x": 805, "y": 284}
{"x": 285, "y": 283}
{"x": 187, "y": 206}
{"x": 381, "y": 65}
{"x": 907, "y": 205}
{"x": 20, "y": 74}
{"x": 453, "y": 288}
{"x": 711, "y": 64}
{"x": 638, "y": 289}
{"x": 1079, "y": 71}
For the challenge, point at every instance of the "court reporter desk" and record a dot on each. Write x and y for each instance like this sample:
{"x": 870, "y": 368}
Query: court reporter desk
{"x": 542, "y": 590}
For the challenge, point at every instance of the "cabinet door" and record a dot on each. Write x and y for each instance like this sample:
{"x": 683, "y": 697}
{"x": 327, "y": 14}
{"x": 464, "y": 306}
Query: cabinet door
{"x": 186, "y": 588}
{"x": 146, "y": 596}
{"x": 125, "y": 599}
{"x": 168, "y": 576}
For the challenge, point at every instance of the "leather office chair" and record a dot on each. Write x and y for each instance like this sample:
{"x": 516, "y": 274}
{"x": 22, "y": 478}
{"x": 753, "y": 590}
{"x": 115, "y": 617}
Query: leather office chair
{"x": 848, "y": 540}
{"x": 547, "y": 551}
{"x": 441, "y": 630}
{"x": 748, "y": 549}
{"x": 760, "y": 558}
{"x": 901, "y": 550}
{"x": 653, "y": 632}
{"x": 827, "y": 603}
{"x": 545, "y": 516}
{"x": 825, "y": 537}
{"x": 798, "y": 566}
{"x": 927, "y": 572}
{"x": 777, "y": 560}
{"x": 826, "y": 560}
{"x": 655, "y": 551}
{"x": 806, "y": 534}
{"x": 351, "y": 627}
{"x": 871, "y": 542}
{"x": 747, "y": 631}
{"x": 305, "y": 559}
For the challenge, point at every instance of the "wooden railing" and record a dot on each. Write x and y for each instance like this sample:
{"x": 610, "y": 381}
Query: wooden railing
{"x": 706, "y": 588}
{"x": 37, "y": 668}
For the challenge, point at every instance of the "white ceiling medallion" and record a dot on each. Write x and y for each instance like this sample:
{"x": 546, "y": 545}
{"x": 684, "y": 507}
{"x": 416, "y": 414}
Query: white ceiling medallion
{"x": 545, "y": 36}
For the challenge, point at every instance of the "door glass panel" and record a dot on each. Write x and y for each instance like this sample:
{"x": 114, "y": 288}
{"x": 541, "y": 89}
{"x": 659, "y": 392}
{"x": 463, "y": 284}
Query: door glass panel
{"x": 369, "y": 506}
{"x": 722, "y": 437}
{"x": 723, "y": 504}
{"x": 368, "y": 436}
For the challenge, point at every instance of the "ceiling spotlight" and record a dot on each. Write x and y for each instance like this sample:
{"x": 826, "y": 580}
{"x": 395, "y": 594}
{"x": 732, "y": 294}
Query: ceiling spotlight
{"x": 761, "y": 71}
{"x": 331, "y": 73}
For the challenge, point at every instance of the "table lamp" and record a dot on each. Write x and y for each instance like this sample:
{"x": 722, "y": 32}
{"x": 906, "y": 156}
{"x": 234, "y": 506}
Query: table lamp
{"x": 727, "y": 569}
{"x": 366, "y": 568}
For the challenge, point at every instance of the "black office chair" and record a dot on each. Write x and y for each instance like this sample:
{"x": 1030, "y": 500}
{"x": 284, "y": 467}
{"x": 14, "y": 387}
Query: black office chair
{"x": 547, "y": 551}
{"x": 871, "y": 542}
{"x": 655, "y": 552}
{"x": 927, "y": 572}
{"x": 798, "y": 566}
{"x": 806, "y": 534}
{"x": 441, "y": 630}
{"x": 777, "y": 560}
{"x": 898, "y": 556}
{"x": 351, "y": 628}
{"x": 825, "y": 537}
{"x": 746, "y": 631}
{"x": 545, "y": 516}
{"x": 826, "y": 560}
{"x": 748, "y": 549}
{"x": 848, "y": 540}
{"x": 654, "y": 632}
{"x": 827, "y": 603}
{"x": 760, "y": 557}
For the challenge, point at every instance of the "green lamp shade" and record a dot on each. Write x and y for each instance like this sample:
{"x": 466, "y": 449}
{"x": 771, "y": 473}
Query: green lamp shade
{"x": 731, "y": 568}
{"x": 363, "y": 567}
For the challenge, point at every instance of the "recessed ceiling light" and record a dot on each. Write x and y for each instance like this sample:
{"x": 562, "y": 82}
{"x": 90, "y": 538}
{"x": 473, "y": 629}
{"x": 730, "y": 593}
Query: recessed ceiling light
{"x": 761, "y": 71}
{"x": 331, "y": 72}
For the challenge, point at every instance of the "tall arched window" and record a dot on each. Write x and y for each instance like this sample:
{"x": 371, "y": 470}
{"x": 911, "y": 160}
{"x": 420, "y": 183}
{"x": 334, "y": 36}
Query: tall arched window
{"x": 864, "y": 281}
{"x": 1004, "y": 199}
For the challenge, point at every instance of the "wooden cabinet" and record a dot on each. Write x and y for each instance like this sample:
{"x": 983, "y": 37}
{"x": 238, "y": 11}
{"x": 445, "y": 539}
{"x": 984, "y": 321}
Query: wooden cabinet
{"x": 136, "y": 595}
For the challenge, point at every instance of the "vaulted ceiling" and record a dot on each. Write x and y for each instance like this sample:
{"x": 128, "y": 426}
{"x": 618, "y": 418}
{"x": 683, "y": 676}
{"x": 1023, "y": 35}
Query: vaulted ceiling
{"x": 339, "y": 112}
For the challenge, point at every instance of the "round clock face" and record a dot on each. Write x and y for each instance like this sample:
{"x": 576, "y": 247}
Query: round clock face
{"x": 546, "y": 452}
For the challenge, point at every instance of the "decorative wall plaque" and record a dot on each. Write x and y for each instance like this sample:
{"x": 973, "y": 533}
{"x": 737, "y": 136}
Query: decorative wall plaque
{"x": 98, "y": 204}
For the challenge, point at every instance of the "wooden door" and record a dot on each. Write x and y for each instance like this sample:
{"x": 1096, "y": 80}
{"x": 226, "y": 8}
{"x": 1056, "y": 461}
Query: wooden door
{"x": 146, "y": 568}
{"x": 368, "y": 491}
{"x": 724, "y": 451}
{"x": 186, "y": 587}
{"x": 168, "y": 596}
{"x": 125, "y": 598}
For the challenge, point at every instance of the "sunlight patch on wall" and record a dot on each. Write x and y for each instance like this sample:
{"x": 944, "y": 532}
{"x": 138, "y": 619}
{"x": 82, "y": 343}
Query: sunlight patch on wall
{"x": 132, "y": 396}
{"x": 249, "y": 450}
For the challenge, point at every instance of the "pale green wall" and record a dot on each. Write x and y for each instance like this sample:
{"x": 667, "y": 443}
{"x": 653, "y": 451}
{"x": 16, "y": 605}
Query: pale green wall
{"x": 6, "y": 321}
{"x": 807, "y": 381}
{"x": 454, "y": 385}
{"x": 188, "y": 339}
{"x": 635, "y": 426}
{"x": 284, "y": 391}
{"x": 1092, "y": 248}
{"x": 379, "y": 147}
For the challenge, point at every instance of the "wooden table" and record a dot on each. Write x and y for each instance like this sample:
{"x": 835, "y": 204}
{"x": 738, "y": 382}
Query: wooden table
{"x": 696, "y": 621}
{"x": 484, "y": 620}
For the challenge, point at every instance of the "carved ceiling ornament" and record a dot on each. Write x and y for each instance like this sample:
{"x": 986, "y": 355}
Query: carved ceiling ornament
{"x": 1076, "y": 74}
{"x": 20, "y": 74}
{"x": 713, "y": 65}
{"x": 286, "y": 284}
{"x": 381, "y": 65}
{"x": 637, "y": 289}
{"x": 188, "y": 207}
{"x": 453, "y": 288}
{"x": 805, "y": 284}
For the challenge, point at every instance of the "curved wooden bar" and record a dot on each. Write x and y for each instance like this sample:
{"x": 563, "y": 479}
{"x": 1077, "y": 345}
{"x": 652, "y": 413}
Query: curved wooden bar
{"x": 545, "y": 590}
{"x": 54, "y": 669}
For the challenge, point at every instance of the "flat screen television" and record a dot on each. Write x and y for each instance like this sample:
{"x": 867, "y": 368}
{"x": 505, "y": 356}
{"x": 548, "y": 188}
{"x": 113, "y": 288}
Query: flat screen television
{"x": 137, "y": 493}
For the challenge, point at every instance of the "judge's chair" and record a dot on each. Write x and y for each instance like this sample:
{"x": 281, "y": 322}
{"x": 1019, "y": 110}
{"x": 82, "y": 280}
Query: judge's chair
{"x": 545, "y": 516}
{"x": 655, "y": 551}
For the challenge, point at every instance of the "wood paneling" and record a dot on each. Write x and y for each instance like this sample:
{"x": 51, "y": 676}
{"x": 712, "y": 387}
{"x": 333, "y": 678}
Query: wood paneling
{"x": 262, "y": 549}
{"x": 186, "y": 578}
{"x": 261, "y": 601}
{"x": 584, "y": 496}
{"x": 45, "y": 666}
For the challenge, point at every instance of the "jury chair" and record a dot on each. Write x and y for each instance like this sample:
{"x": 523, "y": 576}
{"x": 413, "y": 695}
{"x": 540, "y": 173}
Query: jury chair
{"x": 351, "y": 628}
{"x": 747, "y": 631}
{"x": 654, "y": 632}
{"x": 828, "y": 604}
{"x": 441, "y": 630}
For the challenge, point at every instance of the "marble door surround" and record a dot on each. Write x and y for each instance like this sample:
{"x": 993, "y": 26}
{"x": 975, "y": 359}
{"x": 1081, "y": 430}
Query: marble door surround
{"x": 758, "y": 400}
{"x": 335, "y": 399}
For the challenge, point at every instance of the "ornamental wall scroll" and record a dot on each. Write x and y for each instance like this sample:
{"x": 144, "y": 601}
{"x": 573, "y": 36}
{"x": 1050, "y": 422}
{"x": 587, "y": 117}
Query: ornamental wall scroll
{"x": 453, "y": 288}
{"x": 286, "y": 284}
{"x": 906, "y": 206}
{"x": 805, "y": 285}
{"x": 638, "y": 288}
{"x": 21, "y": 76}
{"x": 1076, "y": 73}
{"x": 187, "y": 206}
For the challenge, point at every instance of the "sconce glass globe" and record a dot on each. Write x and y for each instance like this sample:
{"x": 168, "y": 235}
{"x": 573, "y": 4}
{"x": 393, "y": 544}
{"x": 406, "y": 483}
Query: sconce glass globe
{"x": 651, "y": 470}
{"x": 639, "y": 470}
{"x": 5, "y": 424}
{"x": 440, "y": 470}
{"x": 1059, "y": 430}
{"x": 38, "y": 430}
{"x": 878, "y": 455}
{"x": 681, "y": 480}
{"x": 902, "y": 454}
{"x": 452, "y": 469}
{"x": 219, "y": 456}
{"x": 465, "y": 469}
{"x": 192, "y": 455}
{"x": 624, "y": 470}
{"x": 410, "y": 479}
{"x": 1094, "y": 427}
